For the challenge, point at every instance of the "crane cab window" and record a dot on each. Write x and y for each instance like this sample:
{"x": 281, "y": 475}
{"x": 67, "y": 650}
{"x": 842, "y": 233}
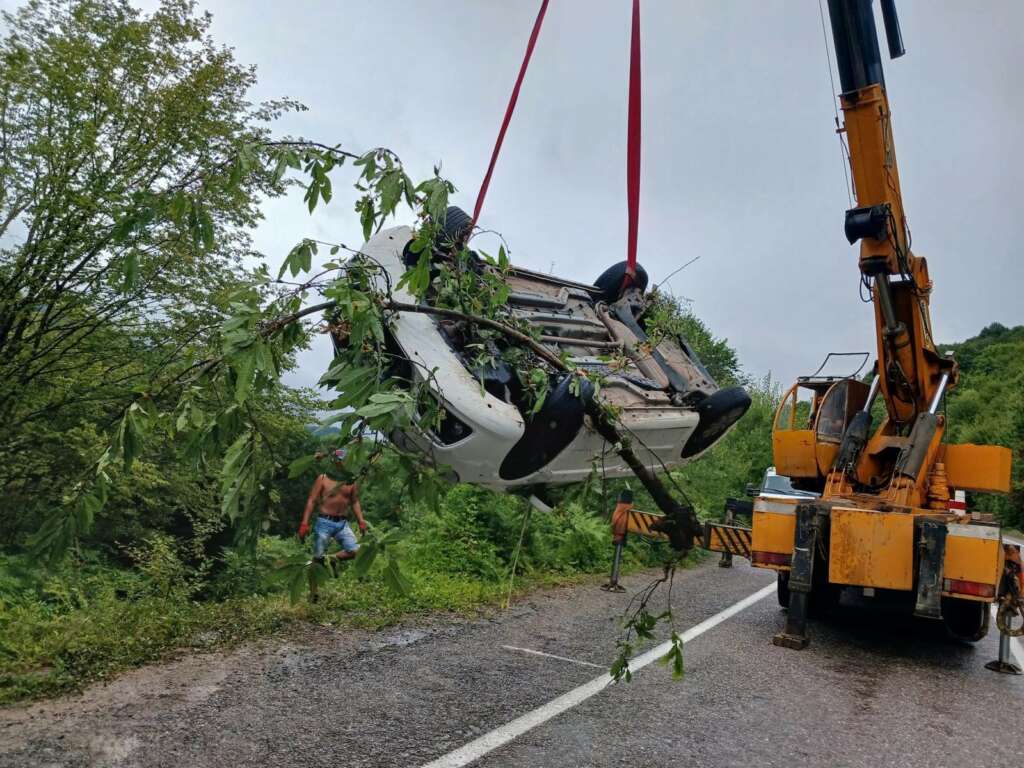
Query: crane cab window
{"x": 796, "y": 411}
{"x": 793, "y": 434}
{"x": 832, "y": 415}
{"x": 838, "y": 406}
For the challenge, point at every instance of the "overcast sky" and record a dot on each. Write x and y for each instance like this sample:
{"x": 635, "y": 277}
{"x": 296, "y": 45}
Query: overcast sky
{"x": 741, "y": 164}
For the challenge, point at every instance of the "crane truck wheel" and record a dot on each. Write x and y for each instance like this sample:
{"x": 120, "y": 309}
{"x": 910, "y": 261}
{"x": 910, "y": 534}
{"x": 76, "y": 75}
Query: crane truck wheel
{"x": 824, "y": 599}
{"x": 966, "y": 620}
{"x": 824, "y": 596}
{"x": 782, "y": 588}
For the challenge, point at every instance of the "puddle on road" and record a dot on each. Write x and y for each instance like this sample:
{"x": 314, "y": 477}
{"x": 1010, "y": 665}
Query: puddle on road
{"x": 400, "y": 639}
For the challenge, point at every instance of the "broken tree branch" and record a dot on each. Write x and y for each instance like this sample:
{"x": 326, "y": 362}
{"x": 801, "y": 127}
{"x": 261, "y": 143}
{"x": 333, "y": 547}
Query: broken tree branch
{"x": 685, "y": 524}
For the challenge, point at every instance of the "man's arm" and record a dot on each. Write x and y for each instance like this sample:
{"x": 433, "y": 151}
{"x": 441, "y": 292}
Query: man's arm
{"x": 314, "y": 496}
{"x": 358, "y": 509}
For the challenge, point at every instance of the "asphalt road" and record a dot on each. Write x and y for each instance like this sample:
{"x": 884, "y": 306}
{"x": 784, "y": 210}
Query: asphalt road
{"x": 875, "y": 688}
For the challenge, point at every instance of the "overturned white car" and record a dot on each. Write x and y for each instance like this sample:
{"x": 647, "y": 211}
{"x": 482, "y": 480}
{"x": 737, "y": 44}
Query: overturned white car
{"x": 666, "y": 401}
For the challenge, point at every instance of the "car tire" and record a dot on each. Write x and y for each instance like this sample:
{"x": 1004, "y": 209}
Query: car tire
{"x": 457, "y": 225}
{"x": 609, "y": 284}
{"x": 549, "y": 431}
{"x": 718, "y": 413}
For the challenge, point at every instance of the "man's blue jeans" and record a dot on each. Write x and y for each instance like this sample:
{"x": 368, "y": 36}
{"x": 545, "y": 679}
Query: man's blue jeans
{"x": 327, "y": 528}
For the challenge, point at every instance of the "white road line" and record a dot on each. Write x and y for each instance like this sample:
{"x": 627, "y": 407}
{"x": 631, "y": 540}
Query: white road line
{"x": 506, "y": 733}
{"x": 552, "y": 656}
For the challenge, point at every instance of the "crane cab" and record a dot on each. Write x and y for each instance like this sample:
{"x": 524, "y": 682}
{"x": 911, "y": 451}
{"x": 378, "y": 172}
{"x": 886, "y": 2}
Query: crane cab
{"x": 810, "y": 421}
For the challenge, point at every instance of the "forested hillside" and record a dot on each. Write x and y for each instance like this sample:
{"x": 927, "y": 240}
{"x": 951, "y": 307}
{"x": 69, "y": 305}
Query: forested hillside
{"x": 988, "y": 406}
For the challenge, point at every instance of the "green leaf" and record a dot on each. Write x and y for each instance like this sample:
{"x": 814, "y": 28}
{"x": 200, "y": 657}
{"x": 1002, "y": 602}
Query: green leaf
{"x": 300, "y": 465}
{"x": 620, "y": 667}
{"x": 312, "y": 194}
{"x": 320, "y": 572}
{"x": 674, "y": 656}
{"x": 389, "y": 397}
{"x": 179, "y": 207}
{"x": 130, "y": 271}
{"x": 367, "y": 216}
{"x": 377, "y": 409}
{"x": 235, "y": 177}
{"x": 437, "y": 200}
{"x": 296, "y": 581}
{"x": 237, "y": 475}
{"x": 286, "y": 264}
{"x": 89, "y": 507}
{"x": 123, "y": 228}
{"x": 281, "y": 168}
{"x": 265, "y": 359}
{"x": 128, "y": 438}
{"x": 200, "y": 226}
{"x": 394, "y": 579}
{"x": 244, "y": 366}
{"x": 368, "y": 552}
{"x": 390, "y": 192}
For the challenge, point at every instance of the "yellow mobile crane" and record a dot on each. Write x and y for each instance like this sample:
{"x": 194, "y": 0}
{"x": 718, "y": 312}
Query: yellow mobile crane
{"x": 871, "y": 508}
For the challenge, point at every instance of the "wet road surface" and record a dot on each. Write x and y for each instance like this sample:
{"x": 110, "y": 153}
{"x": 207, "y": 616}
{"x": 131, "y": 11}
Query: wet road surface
{"x": 874, "y": 688}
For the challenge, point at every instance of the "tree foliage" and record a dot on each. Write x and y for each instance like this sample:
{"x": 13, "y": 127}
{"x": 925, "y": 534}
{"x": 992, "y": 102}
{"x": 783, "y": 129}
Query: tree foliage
{"x": 667, "y": 317}
{"x": 987, "y": 406}
{"x": 128, "y": 187}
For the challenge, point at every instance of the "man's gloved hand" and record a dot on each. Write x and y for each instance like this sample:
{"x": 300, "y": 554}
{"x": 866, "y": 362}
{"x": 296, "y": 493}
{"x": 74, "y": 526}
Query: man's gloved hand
{"x": 362, "y": 526}
{"x": 303, "y": 530}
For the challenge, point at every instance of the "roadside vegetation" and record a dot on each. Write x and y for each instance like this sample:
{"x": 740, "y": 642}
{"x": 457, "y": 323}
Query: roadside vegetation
{"x": 99, "y": 612}
{"x": 162, "y": 570}
{"x": 988, "y": 407}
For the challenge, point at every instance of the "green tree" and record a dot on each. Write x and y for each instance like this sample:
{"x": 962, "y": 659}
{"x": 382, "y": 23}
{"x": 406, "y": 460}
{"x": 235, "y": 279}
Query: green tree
{"x": 125, "y": 145}
{"x": 987, "y": 406}
{"x": 667, "y": 316}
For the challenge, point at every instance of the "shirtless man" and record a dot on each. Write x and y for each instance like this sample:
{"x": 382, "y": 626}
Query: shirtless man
{"x": 335, "y": 499}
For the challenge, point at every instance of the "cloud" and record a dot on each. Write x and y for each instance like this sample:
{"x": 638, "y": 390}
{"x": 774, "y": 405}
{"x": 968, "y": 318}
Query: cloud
{"x": 741, "y": 164}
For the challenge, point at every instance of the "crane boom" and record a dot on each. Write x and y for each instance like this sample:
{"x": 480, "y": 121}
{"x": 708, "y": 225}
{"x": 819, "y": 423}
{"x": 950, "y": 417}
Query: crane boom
{"x": 910, "y": 368}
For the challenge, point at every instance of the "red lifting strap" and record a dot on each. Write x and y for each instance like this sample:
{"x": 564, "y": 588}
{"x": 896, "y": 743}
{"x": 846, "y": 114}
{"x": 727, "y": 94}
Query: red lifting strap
{"x": 508, "y": 110}
{"x": 633, "y": 146}
{"x": 632, "y": 134}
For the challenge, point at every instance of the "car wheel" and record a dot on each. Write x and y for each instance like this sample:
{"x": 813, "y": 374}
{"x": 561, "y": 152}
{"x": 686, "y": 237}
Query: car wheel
{"x": 610, "y": 282}
{"x": 549, "y": 431}
{"x": 457, "y": 224}
{"x": 717, "y": 413}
